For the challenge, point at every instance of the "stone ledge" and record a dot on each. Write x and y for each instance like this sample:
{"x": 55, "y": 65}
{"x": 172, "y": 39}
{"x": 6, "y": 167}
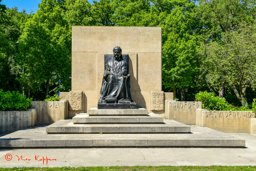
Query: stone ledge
{"x": 68, "y": 127}
{"x": 117, "y": 112}
{"x": 85, "y": 118}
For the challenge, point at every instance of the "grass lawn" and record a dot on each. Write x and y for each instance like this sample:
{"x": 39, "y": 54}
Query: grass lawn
{"x": 135, "y": 168}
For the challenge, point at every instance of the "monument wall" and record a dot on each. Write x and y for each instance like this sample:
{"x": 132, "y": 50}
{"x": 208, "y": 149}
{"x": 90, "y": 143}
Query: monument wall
{"x": 144, "y": 46}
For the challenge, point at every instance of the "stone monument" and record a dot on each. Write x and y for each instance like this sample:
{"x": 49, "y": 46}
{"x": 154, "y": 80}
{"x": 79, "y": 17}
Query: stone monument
{"x": 115, "y": 91}
{"x": 92, "y": 48}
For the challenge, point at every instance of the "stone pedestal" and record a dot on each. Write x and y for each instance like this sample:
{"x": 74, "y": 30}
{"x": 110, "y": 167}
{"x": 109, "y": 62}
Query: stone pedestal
{"x": 115, "y": 121}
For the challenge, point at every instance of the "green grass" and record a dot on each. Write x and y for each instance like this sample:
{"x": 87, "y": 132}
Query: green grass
{"x": 139, "y": 168}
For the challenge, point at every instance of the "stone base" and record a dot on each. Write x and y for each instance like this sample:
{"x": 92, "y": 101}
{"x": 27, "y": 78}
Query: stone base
{"x": 68, "y": 127}
{"x": 38, "y": 138}
{"x": 117, "y": 106}
{"x": 117, "y": 112}
{"x": 84, "y": 118}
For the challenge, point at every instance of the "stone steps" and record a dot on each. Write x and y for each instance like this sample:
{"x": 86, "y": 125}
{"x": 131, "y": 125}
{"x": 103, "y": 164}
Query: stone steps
{"x": 118, "y": 128}
{"x": 68, "y": 127}
{"x": 86, "y": 119}
{"x": 200, "y": 137}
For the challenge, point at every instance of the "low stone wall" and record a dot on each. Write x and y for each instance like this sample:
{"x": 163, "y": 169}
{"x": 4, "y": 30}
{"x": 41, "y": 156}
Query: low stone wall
{"x": 253, "y": 125}
{"x": 191, "y": 113}
{"x": 49, "y": 112}
{"x": 183, "y": 111}
{"x": 227, "y": 121}
{"x": 11, "y": 121}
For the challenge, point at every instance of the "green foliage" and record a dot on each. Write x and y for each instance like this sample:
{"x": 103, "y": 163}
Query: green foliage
{"x": 254, "y": 106}
{"x": 45, "y": 47}
{"x": 212, "y": 102}
{"x": 13, "y": 101}
{"x": 180, "y": 45}
{"x": 55, "y": 97}
{"x": 78, "y": 13}
{"x": 217, "y": 16}
{"x": 231, "y": 61}
{"x": 10, "y": 23}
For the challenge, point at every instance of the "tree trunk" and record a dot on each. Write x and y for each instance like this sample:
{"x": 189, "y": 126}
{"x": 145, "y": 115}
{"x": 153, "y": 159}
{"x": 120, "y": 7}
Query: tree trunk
{"x": 47, "y": 88}
{"x": 240, "y": 95}
{"x": 174, "y": 92}
{"x": 28, "y": 93}
{"x": 221, "y": 92}
{"x": 183, "y": 94}
{"x": 244, "y": 101}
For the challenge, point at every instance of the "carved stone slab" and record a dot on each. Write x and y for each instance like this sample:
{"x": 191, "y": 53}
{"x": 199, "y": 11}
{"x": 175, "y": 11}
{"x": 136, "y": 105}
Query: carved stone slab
{"x": 157, "y": 100}
{"x": 186, "y": 105}
{"x": 229, "y": 114}
{"x": 76, "y": 100}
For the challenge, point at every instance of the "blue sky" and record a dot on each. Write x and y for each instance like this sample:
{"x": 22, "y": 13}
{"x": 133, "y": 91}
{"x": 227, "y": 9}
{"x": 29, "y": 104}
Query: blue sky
{"x": 28, "y": 5}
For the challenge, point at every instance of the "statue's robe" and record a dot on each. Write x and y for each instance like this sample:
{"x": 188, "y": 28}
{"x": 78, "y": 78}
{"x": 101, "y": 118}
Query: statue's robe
{"x": 114, "y": 84}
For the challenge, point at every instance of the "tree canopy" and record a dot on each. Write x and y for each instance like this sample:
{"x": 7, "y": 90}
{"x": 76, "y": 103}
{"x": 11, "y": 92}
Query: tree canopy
{"x": 206, "y": 44}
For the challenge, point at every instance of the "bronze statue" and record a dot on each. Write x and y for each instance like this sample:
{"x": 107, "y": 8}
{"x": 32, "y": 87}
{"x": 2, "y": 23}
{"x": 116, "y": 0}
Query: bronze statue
{"x": 115, "y": 90}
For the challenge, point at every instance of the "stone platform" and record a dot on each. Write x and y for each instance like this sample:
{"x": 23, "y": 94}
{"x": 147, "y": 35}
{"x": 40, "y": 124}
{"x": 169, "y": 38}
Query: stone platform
{"x": 109, "y": 121}
{"x": 117, "y": 112}
{"x": 199, "y": 137}
{"x": 118, "y": 128}
{"x": 68, "y": 127}
{"x": 84, "y": 118}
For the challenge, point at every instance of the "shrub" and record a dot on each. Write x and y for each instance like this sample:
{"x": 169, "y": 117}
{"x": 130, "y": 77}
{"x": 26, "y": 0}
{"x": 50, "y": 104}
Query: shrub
{"x": 14, "y": 101}
{"x": 212, "y": 102}
{"x": 52, "y": 98}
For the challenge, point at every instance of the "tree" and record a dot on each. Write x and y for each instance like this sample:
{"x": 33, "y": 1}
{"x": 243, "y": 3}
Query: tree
{"x": 10, "y": 30}
{"x": 103, "y": 12}
{"x": 218, "y": 16}
{"x": 131, "y": 12}
{"x": 45, "y": 47}
{"x": 78, "y": 12}
{"x": 180, "y": 44}
{"x": 233, "y": 60}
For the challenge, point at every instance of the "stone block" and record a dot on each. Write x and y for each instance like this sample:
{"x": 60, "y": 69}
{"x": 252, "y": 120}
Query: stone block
{"x": 91, "y": 99}
{"x": 67, "y": 127}
{"x": 76, "y": 100}
{"x": 84, "y": 70}
{"x": 150, "y": 71}
{"x": 11, "y": 121}
{"x": 183, "y": 111}
{"x": 142, "y": 98}
{"x": 157, "y": 100}
{"x": 64, "y": 95}
{"x": 49, "y": 112}
{"x": 118, "y": 112}
{"x": 226, "y": 121}
{"x": 253, "y": 125}
{"x": 100, "y": 72}
{"x": 83, "y": 118}
{"x": 168, "y": 95}
{"x": 103, "y": 39}
{"x": 71, "y": 114}
{"x": 133, "y": 71}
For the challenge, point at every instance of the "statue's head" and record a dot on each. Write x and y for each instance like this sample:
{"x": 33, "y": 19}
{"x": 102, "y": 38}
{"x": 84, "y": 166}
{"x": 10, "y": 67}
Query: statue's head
{"x": 117, "y": 52}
